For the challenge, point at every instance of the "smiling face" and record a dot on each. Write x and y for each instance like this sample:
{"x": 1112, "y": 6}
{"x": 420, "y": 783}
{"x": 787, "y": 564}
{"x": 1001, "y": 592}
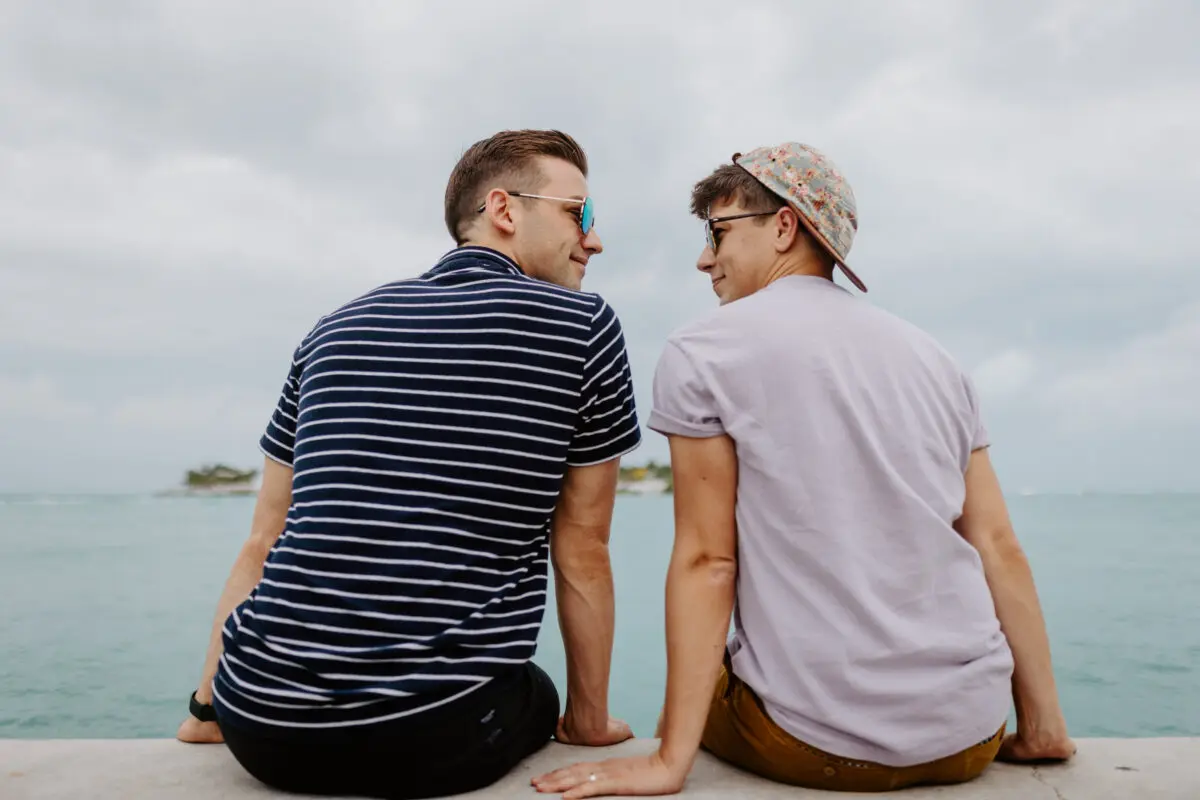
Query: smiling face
{"x": 488, "y": 203}
{"x": 747, "y": 248}
{"x": 547, "y": 241}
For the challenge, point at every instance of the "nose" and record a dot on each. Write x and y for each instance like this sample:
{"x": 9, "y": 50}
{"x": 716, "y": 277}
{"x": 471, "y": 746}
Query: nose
{"x": 707, "y": 260}
{"x": 592, "y": 243}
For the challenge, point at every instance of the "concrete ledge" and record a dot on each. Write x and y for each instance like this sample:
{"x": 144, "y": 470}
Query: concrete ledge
{"x": 1104, "y": 769}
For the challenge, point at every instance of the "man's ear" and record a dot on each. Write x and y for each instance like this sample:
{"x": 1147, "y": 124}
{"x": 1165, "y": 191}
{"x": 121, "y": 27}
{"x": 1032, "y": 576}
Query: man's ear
{"x": 787, "y": 229}
{"x": 498, "y": 211}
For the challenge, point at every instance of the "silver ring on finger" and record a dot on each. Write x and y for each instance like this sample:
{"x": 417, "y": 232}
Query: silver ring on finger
{"x": 592, "y": 777}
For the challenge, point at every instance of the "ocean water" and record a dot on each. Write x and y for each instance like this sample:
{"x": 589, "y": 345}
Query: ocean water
{"x": 107, "y": 603}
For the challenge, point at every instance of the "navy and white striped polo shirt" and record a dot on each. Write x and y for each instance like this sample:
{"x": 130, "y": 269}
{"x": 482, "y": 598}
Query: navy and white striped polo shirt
{"x": 430, "y": 424}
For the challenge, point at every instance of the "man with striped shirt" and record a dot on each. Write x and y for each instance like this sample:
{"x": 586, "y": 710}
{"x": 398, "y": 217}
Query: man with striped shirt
{"x": 438, "y": 442}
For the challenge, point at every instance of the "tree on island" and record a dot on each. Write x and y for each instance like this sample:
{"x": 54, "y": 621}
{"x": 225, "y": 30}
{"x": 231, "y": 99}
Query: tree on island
{"x": 218, "y": 475}
{"x": 651, "y": 471}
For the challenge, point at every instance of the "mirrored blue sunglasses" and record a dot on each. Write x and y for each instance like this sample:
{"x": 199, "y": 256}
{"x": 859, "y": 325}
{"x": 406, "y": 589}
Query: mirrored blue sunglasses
{"x": 587, "y": 214}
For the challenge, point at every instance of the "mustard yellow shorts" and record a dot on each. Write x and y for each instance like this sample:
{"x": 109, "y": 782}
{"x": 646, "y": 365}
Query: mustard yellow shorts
{"x": 740, "y": 731}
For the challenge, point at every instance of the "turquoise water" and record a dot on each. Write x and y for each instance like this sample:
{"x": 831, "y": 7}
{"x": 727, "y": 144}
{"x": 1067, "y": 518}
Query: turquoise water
{"x": 107, "y": 603}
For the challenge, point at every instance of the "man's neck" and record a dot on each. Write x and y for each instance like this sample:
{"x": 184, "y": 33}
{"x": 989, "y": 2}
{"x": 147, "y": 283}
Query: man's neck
{"x": 497, "y": 246}
{"x": 786, "y": 267}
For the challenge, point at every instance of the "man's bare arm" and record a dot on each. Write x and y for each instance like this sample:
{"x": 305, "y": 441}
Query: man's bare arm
{"x": 1041, "y": 727}
{"x": 583, "y": 587}
{"x": 270, "y": 515}
{"x": 701, "y": 585}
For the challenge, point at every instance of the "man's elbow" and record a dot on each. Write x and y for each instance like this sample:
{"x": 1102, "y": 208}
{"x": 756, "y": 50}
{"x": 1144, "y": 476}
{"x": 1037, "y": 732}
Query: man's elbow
{"x": 580, "y": 556}
{"x": 258, "y": 546}
{"x": 998, "y": 545}
{"x": 717, "y": 570}
{"x": 265, "y": 532}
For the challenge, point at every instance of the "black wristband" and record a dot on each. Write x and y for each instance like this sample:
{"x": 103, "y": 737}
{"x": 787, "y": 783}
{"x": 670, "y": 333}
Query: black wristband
{"x": 201, "y": 711}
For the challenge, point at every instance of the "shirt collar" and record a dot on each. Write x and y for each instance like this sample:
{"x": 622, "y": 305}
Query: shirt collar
{"x": 481, "y": 257}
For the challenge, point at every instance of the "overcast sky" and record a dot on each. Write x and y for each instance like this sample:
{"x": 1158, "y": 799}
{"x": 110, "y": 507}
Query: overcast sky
{"x": 185, "y": 187}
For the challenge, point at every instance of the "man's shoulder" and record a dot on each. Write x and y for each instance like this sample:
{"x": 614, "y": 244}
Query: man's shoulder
{"x": 727, "y": 322}
{"x": 425, "y": 294}
{"x": 906, "y": 347}
{"x": 576, "y": 297}
{"x": 490, "y": 288}
{"x": 904, "y": 332}
{"x": 574, "y": 306}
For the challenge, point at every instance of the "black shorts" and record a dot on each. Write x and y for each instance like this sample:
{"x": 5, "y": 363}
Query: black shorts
{"x": 467, "y": 745}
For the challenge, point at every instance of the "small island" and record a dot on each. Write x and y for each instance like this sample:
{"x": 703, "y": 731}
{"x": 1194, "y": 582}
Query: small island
{"x": 224, "y": 480}
{"x": 653, "y": 478}
{"x": 218, "y": 479}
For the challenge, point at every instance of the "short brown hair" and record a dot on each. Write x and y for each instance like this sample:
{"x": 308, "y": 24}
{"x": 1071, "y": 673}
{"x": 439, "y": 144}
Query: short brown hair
{"x": 732, "y": 184}
{"x": 508, "y": 157}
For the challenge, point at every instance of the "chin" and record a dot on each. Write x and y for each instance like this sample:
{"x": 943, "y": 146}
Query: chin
{"x": 573, "y": 277}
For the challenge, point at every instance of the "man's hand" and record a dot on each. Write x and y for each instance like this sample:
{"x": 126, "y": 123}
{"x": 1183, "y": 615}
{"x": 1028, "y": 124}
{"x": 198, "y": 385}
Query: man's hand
{"x": 569, "y": 732}
{"x": 193, "y": 731}
{"x": 1024, "y": 747}
{"x": 640, "y": 775}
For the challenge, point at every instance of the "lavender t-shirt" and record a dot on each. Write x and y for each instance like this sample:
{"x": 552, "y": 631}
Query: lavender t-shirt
{"x": 863, "y": 620}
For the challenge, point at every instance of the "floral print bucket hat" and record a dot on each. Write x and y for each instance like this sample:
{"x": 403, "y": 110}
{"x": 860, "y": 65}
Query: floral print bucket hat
{"x": 813, "y": 185}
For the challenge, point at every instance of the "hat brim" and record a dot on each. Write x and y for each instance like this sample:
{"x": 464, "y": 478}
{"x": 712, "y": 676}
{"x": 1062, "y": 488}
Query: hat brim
{"x": 816, "y": 234}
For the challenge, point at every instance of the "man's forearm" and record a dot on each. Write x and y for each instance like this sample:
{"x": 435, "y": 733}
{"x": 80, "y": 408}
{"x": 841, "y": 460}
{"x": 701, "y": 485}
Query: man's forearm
{"x": 584, "y": 591}
{"x": 1015, "y": 597}
{"x": 243, "y": 577}
{"x": 700, "y": 596}
{"x": 270, "y": 515}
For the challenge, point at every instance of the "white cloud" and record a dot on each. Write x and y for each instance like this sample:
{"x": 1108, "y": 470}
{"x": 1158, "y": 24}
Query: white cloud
{"x": 106, "y": 254}
{"x": 1152, "y": 381}
{"x": 38, "y": 397}
{"x": 1005, "y": 375}
{"x": 1071, "y": 24}
{"x": 184, "y": 412}
{"x": 976, "y": 175}
{"x": 183, "y": 191}
{"x": 190, "y": 211}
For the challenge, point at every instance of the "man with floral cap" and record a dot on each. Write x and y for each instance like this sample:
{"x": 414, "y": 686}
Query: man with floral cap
{"x": 831, "y": 475}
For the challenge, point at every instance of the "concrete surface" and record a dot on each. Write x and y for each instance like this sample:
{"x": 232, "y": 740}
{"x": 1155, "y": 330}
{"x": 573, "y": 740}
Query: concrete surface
{"x": 1104, "y": 769}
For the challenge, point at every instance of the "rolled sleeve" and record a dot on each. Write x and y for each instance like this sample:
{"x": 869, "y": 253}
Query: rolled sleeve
{"x": 683, "y": 404}
{"x": 607, "y": 426}
{"x": 278, "y": 441}
{"x": 978, "y": 430}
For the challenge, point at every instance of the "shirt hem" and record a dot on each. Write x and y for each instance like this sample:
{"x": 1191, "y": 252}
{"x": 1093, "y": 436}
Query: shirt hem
{"x": 670, "y": 426}
{"x": 273, "y": 457}
{"x": 594, "y": 462}
{"x": 330, "y": 725}
{"x": 961, "y": 739}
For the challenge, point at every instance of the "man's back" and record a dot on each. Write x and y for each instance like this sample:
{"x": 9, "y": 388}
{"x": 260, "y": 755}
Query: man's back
{"x": 429, "y": 424}
{"x": 863, "y": 619}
